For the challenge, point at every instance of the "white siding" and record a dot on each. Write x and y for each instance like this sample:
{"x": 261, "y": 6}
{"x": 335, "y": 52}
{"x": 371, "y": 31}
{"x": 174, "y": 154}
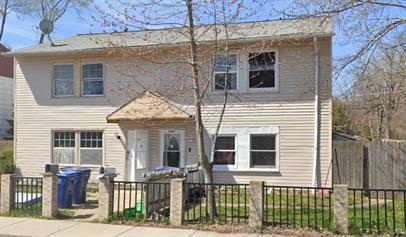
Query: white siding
{"x": 6, "y": 105}
{"x": 291, "y": 109}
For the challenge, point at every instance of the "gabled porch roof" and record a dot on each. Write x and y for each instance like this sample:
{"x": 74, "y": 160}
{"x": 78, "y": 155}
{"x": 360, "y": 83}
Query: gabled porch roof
{"x": 148, "y": 106}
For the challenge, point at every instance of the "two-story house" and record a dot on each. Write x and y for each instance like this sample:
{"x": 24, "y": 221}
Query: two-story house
{"x": 73, "y": 106}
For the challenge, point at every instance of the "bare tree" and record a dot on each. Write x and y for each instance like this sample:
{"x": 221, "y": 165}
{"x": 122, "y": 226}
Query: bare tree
{"x": 8, "y": 6}
{"x": 380, "y": 91}
{"x": 189, "y": 21}
{"x": 53, "y": 10}
{"x": 367, "y": 24}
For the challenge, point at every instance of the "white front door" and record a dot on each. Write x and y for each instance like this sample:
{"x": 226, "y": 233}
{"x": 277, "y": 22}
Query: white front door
{"x": 173, "y": 148}
{"x": 137, "y": 154}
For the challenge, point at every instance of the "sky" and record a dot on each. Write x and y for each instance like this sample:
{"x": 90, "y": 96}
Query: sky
{"x": 22, "y": 32}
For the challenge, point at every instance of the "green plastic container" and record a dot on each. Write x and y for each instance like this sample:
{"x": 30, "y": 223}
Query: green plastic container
{"x": 134, "y": 212}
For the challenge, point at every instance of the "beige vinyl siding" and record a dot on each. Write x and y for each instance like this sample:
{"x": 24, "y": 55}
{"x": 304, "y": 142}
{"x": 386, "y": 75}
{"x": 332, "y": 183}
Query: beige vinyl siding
{"x": 291, "y": 109}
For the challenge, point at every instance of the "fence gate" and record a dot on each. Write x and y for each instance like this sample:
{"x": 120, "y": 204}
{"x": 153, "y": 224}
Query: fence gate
{"x": 350, "y": 163}
{"x": 141, "y": 200}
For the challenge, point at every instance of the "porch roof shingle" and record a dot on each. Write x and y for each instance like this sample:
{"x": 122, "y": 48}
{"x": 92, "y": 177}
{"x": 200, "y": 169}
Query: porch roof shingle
{"x": 149, "y": 106}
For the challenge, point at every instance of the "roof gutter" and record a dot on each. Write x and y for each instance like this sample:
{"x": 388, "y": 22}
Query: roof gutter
{"x": 316, "y": 111}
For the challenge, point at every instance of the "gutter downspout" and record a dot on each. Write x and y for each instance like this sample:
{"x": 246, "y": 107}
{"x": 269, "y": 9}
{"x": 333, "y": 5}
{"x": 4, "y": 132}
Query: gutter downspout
{"x": 316, "y": 113}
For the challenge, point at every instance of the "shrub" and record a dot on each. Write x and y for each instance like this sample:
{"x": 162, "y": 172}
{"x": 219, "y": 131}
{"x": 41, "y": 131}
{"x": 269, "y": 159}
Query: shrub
{"x": 7, "y": 162}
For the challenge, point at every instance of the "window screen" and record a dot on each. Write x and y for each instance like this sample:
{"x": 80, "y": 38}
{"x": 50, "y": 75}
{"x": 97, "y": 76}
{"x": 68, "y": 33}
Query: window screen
{"x": 263, "y": 150}
{"x": 92, "y": 79}
{"x": 221, "y": 67}
{"x": 63, "y": 80}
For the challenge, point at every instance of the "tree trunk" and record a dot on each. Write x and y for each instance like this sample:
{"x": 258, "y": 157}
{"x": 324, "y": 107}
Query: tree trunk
{"x": 388, "y": 121}
{"x": 207, "y": 168}
{"x": 3, "y": 20}
{"x": 41, "y": 39}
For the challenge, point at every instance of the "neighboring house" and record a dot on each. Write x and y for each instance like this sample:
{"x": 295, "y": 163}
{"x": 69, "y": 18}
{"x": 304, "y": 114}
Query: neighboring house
{"x": 6, "y": 93}
{"x": 73, "y": 106}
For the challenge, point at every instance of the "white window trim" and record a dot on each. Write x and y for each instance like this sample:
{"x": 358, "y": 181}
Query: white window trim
{"x": 271, "y": 169}
{"x": 182, "y": 145}
{"x": 226, "y": 167}
{"x": 82, "y": 81}
{"x": 53, "y": 80}
{"x": 77, "y": 146}
{"x": 242, "y": 162}
{"x": 214, "y": 91}
{"x": 276, "y": 68}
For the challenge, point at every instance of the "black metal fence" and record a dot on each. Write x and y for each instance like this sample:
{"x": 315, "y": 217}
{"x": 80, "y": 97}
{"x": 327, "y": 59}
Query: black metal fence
{"x": 297, "y": 206}
{"x": 28, "y": 195}
{"x": 377, "y": 210}
{"x": 231, "y": 203}
{"x": 141, "y": 200}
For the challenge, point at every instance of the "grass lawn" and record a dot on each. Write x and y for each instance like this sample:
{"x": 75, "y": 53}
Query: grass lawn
{"x": 373, "y": 216}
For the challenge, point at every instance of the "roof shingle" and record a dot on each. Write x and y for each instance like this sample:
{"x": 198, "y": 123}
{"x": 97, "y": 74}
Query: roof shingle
{"x": 251, "y": 31}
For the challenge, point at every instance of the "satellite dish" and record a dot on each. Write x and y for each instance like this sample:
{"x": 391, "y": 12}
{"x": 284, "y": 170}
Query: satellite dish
{"x": 46, "y": 26}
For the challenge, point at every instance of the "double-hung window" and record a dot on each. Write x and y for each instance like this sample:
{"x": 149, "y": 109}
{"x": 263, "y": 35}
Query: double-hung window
{"x": 262, "y": 70}
{"x": 92, "y": 79}
{"x": 78, "y": 147}
{"x": 225, "y": 70}
{"x": 91, "y": 148}
{"x": 63, "y": 147}
{"x": 63, "y": 80}
{"x": 263, "y": 151}
{"x": 224, "y": 151}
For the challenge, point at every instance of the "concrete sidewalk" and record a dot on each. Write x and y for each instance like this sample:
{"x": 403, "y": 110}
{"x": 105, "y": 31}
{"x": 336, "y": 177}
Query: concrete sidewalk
{"x": 10, "y": 226}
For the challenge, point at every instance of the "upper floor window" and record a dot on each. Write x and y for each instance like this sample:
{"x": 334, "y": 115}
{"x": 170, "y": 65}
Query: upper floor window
{"x": 92, "y": 79}
{"x": 225, "y": 67}
{"x": 262, "y": 70}
{"x": 63, "y": 81}
{"x": 224, "y": 151}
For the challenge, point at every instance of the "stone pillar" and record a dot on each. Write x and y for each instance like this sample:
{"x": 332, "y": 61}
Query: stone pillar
{"x": 7, "y": 192}
{"x": 105, "y": 208}
{"x": 340, "y": 194}
{"x": 177, "y": 204}
{"x": 256, "y": 207}
{"x": 50, "y": 195}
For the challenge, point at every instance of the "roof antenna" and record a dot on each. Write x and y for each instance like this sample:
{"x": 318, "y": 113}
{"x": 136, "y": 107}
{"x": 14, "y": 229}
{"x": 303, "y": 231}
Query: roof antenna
{"x": 46, "y": 26}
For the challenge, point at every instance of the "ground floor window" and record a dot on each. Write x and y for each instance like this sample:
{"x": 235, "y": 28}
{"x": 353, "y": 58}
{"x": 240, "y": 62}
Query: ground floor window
{"x": 78, "y": 147}
{"x": 64, "y": 148}
{"x": 171, "y": 150}
{"x": 263, "y": 151}
{"x": 224, "y": 153}
{"x": 91, "y": 148}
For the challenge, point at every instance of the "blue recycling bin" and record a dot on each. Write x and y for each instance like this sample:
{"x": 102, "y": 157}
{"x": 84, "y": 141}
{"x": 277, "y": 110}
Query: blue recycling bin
{"x": 82, "y": 176}
{"x": 76, "y": 182}
{"x": 65, "y": 189}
